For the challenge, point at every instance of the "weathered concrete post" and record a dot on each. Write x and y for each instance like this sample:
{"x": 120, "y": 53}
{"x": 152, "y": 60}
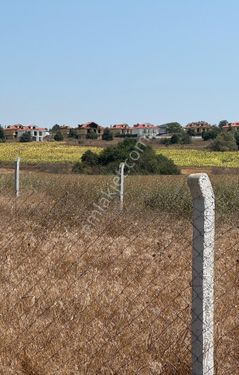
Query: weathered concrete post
{"x": 121, "y": 186}
{"x": 202, "y": 274}
{"x": 17, "y": 176}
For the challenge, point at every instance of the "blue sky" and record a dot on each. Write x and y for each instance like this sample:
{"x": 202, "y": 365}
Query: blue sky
{"x": 112, "y": 61}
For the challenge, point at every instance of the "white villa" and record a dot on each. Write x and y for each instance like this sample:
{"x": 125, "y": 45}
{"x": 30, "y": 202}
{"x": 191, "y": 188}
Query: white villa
{"x": 14, "y": 132}
{"x": 145, "y": 130}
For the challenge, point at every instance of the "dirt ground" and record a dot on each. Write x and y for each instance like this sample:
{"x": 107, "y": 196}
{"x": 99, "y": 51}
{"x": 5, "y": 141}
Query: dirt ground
{"x": 117, "y": 301}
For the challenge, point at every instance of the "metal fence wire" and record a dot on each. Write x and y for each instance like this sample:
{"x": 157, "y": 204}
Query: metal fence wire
{"x": 90, "y": 291}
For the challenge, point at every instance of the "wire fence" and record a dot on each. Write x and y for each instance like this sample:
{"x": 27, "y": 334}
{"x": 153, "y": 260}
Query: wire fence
{"x": 117, "y": 300}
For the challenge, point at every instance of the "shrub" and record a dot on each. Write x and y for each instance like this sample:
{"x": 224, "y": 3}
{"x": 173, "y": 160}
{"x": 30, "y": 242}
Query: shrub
{"x": 58, "y": 136}
{"x": 90, "y": 158}
{"x": 116, "y": 154}
{"x": 181, "y": 138}
{"x": 165, "y": 141}
{"x": 191, "y": 132}
{"x": 211, "y": 134}
{"x": 126, "y": 135}
{"x": 26, "y": 137}
{"x": 78, "y": 167}
{"x": 107, "y": 135}
{"x": 91, "y": 135}
{"x": 222, "y": 123}
{"x": 236, "y": 136}
{"x": 73, "y": 133}
{"x": 175, "y": 139}
{"x": 186, "y": 138}
{"x": 167, "y": 166}
{"x": 143, "y": 158}
{"x": 224, "y": 142}
{"x": 2, "y": 134}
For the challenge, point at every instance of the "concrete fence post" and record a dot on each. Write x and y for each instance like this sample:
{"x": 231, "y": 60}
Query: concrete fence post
{"x": 121, "y": 186}
{"x": 17, "y": 177}
{"x": 202, "y": 274}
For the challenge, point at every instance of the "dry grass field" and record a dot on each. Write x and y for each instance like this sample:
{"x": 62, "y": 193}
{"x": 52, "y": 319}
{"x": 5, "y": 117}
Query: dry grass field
{"x": 118, "y": 301}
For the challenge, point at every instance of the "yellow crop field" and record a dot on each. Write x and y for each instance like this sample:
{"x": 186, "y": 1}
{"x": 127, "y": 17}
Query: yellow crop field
{"x": 59, "y": 152}
{"x": 202, "y": 158}
{"x": 47, "y": 152}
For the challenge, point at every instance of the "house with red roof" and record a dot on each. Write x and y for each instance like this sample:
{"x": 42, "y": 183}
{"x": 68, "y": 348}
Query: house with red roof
{"x": 89, "y": 130}
{"x": 230, "y": 126}
{"x": 197, "y": 128}
{"x": 120, "y": 129}
{"x": 146, "y": 130}
{"x": 14, "y": 132}
{"x": 65, "y": 130}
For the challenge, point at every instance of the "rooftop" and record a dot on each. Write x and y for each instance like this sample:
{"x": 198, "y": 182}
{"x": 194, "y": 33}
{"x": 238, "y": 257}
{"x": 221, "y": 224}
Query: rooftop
{"x": 24, "y": 127}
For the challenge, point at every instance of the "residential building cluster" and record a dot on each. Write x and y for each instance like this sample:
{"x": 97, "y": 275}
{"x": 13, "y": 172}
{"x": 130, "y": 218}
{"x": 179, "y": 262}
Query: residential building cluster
{"x": 14, "y": 132}
{"x": 85, "y": 131}
{"x": 138, "y": 130}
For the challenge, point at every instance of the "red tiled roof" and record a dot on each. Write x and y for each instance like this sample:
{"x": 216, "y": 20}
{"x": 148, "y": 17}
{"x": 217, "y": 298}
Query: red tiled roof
{"x": 143, "y": 126}
{"x": 233, "y": 124}
{"x": 87, "y": 125}
{"x": 197, "y": 125}
{"x": 22, "y": 127}
{"x": 64, "y": 126}
{"x": 120, "y": 126}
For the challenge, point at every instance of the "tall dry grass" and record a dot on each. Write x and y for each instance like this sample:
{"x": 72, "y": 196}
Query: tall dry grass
{"x": 118, "y": 302}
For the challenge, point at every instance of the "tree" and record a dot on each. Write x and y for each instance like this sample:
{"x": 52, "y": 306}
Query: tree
{"x": 191, "y": 132}
{"x": 73, "y": 133}
{"x": 91, "y": 135}
{"x": 222, "y": 123}
{"x": 174, "y": 127}
{"x": 58, "y": 136}
{"x": 224, "y": 142}
{"x": 186, "y": 139}
{"x": 55, "y": 128}
{"x": 26, "y": 137}
{"x": 107, "y": 135}
{"x": 175, "y": 139}
{"x": 165, "y": 141}
{"x": 2, "y": 134}
{"x": 211, "y": 133}
{"x": 181, "y": 138}
{"x": 236, "y": 136}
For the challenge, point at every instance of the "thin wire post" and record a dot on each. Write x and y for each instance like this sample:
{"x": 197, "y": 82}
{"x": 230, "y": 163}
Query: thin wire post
{"x": 121, "y": 186}
{"x": 17, "y": 177}
{"x": 202, "y": 274}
